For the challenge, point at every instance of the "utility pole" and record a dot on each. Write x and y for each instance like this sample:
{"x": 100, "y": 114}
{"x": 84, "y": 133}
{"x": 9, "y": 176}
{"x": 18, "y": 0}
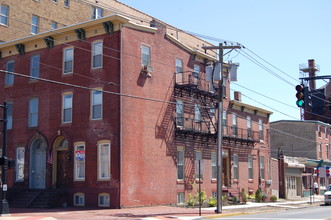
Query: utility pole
{"x": 219, "y": 123}
{"x": 4, "y": 203}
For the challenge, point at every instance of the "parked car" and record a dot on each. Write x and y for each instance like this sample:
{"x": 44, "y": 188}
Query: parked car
{"x": 327, "y": 196}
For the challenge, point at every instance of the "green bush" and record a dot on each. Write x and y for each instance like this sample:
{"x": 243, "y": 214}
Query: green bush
{"x": 273, "y": 198}
{"x": 264, "y": 196}
{"x": 258, "y": 195}
{"x": 225, "y": 200}
{"x": 212, "y": 202}
{"x": 191, "y": 200}
{"x": 243, "y": 196}
{"x": 234, "y": 200}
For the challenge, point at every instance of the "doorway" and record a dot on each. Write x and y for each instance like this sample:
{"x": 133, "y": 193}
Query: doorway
{"x": 37, "y": 171}
{"x": 61, "y": 164}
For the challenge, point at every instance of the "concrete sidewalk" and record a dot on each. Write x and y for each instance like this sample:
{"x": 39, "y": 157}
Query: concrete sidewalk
{"x": 153, "y": 213}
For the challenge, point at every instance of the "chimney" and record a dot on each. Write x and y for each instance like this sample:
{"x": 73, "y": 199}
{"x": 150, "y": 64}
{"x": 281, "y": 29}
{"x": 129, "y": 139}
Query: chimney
{"x": 237, "y": 96}
{"x": 312, "y": 70}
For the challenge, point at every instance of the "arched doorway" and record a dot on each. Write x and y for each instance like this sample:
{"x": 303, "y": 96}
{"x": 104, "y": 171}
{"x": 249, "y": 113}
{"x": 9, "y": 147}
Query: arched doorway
{"x": 60, "y": 163}
{"x": 37, "y": 171}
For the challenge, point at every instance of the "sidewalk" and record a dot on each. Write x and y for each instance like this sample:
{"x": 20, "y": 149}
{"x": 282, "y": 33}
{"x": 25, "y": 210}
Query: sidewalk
{"x": 153, "y": 213}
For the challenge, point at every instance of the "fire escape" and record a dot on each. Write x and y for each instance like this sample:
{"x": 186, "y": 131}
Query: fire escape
{"x": 189, "y": 86}
{"x": 193, "y": 89}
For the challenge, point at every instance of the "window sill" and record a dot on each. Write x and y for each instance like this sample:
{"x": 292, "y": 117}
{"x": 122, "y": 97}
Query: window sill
{"x": 213, "y": 180}
{"x": 199, "y": 181}
{"x": 180, "y": 182}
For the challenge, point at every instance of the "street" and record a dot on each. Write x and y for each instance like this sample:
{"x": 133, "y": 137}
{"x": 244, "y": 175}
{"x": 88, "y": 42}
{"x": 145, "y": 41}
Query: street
{"x": 321, "y": 212}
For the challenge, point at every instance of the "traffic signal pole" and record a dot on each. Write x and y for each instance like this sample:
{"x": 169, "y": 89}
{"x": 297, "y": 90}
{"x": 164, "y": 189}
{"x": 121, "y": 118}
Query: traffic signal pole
{"x": 219, "y": 124}
{"x": 4, "y": 203}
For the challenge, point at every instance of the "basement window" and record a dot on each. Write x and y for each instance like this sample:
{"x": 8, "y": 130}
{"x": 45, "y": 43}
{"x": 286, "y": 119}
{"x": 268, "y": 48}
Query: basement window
{"x": 79, "y": 199}
{"x": 103, "y": 200}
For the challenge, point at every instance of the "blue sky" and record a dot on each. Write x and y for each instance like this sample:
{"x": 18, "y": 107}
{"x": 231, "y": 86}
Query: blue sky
{"x": 285, "y": 33}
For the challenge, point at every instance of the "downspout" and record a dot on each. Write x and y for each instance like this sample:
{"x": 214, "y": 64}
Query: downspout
{"x": 121, "y": 119}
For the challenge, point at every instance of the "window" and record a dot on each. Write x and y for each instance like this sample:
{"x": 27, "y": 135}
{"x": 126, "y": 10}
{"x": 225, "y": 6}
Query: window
{"x": 179, "y": 113}
{"x": 234, "y": 124}
{"x": 249, "y": 127}
{"x": 97, "y": 12}
{"x": 96, "y": 105}
{"x": 224, "y": 122}
{"x": 104, "y": 161}
{"x": 68, "y": 60}
{"x": 320, "y": 151}
{"x": 262, "y": 166}
{"x": 197, "y": 115}
{"x": 180, "y": 198}
{"x": 10, "y": 67}
{"x": 66, "y": 3}
{"x": 198, "y": 157}
{"x": 213, "y": 165}
{"x": 33, "y": 112}
{"x": 79, "y": 165}
{"x": 54, "y": 25}
{"x": 9, "y": 115}
{"x": 67, "y": 108}
{"x": 145, "y": 55}
{"x": 250, "y": 167}
{"x": 196, "y": 74}
{"x": 261, "y": 129}
{"x": 35, "y": 24}
{"x": 235, "y": 167}
{"x": 4, "y": 13}
{"x": 79, "y": 199}
{"x": 34, "y": 66}
{"x": 180, "y": 164}
{"x": 319, "y": 131}
{"x": 179, "y": 66}
{"x": 97, "y": 55}
{"x": 104, "y": 200}
{"x": 19, "y": 168}
{"x": 327, "y": 151}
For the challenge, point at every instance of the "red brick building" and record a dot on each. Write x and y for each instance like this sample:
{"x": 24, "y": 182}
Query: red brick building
{"x": 114, "y": 114}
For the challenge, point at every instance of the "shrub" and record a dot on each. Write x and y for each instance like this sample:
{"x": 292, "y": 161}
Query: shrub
{"x": 243, "y": 196}
{"x": 273, "y": 198}
{"x": 264, "y": 196}
{"x": 258, "y": 195}
{"x": 225, "y": 199}
{"x": 234, "y": 200}
{"x": 212, "y": 202}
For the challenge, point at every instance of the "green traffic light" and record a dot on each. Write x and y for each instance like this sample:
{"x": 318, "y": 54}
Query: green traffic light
{"x": 300, "y": 103}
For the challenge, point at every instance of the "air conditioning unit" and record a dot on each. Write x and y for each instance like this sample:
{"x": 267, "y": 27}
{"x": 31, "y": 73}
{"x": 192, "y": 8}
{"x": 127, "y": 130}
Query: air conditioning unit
{"x": 147, "y": 69}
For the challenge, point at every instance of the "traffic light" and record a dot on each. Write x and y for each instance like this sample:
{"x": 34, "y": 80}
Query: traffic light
{"x": 300, "y": 96}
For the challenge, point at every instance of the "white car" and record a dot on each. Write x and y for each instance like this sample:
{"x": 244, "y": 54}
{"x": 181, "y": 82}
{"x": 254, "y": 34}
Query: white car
{"x": 327, "y": 196}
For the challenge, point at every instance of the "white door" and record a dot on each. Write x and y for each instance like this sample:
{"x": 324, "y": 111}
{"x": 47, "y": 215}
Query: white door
{"x": 37, "y": 166}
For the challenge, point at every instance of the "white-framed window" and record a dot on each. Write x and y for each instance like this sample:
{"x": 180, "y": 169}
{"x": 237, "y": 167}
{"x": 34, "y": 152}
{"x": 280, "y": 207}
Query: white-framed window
{"x": 198, "y": 157}
{"x": 97, "y": 48}
{"x": 79, "y": 199}
{"x": 35, "y": 24}
{"x": 10, "y": 67}
{"x": 179, "y": 113}
{"x": 97, "y": 12}
{"x": 54, "y": 25}
{"x": 96, "y": 101}
{"x": 262, "y": 167}
{"x": 196, "y": 74}
{"x": 213, "y": 165}
{"x": 235, "y": 167}
{"x": 68, "y": 60}
{"x": 66, "y": 3}
{"x": 79, "y": 164}
{"x": 19, "y": 168}
{"x": 179, "y": 66}
{"x": 261, "y": 129}
{"x": 33, "y": 112}
{"x": 9, "y": 115}
{"x": 104, "y": 160}
{"x": 234, "y": 125}
{"x": 34, "y": 66}
{"x": 180, "y": 198}
{"x": 197, "y": 113}
{"x": 4, "y": 14}
{"x": 67, "y": 108}
{"x": 104, "y": 200}
{"x": 249, "y": 127}
{"x": 145, "y": 55}
{"x": 180, "y": 164}
{"x": 250, "y": 167}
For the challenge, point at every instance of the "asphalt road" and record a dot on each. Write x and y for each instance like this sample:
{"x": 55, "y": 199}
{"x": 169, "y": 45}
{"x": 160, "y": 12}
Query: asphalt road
{"x": 321, "y": 212}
